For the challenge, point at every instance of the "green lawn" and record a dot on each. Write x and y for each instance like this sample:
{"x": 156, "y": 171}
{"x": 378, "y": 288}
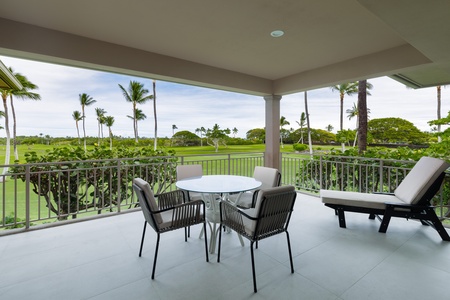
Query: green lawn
{"x": 179, "y": 151}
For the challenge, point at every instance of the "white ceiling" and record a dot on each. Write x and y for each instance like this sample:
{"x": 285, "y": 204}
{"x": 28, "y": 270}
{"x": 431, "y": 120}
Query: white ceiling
{"x": 227, "y": 44}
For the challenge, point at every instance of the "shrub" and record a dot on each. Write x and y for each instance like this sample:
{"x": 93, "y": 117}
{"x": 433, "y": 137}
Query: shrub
{"x": 300, "y": 147}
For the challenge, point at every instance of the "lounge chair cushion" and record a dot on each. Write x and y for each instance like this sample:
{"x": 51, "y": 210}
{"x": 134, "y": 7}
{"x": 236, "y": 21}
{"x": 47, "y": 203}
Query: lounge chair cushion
{"x": 376, "y": 201}
{"x": 419, "y": 179}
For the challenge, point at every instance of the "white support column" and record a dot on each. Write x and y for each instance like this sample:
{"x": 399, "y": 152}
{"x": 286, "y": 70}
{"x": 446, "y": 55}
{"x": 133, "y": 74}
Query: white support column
{"x": 272, "y": 155}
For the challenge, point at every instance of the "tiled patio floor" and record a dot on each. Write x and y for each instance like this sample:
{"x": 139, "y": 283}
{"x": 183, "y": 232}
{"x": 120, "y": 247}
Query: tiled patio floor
{"x": 99, "y": 260}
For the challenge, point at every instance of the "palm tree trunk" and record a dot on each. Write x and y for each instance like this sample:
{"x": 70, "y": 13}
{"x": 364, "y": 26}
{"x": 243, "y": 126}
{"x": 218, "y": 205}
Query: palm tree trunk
{"x": 84, "y": 128}
{"x": 308, "y": 126}
{"x": 155, "y": 142}
{"x": 356, "y": 133}
{"x": 439, "y": 110}
{"x": 362, "y": 115}
{"x": 341, "y": 118}
{"x": 110, "y": 138}
{"x": 8, "y": 136}
{"x": 13, "y": 111}
{"x": 98, "y": 140}
{"x": 78, "y": 133}
{"x": 135, "y": 123}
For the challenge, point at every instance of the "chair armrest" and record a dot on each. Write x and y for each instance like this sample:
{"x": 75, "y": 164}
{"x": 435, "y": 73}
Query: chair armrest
{"x": 231, "y": 208}
{"x": 383, "y": 193}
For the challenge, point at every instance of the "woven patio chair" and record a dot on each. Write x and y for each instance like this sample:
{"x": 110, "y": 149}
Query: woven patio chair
{"x": 189, "y": 171}
{"x": 169, "y": 213}
{"x": 269, "y": 217}
{"x": 269, "y": 177}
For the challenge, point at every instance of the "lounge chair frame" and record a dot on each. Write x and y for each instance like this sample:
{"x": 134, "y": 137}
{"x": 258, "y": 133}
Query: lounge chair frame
{"x": 422, "y": 211}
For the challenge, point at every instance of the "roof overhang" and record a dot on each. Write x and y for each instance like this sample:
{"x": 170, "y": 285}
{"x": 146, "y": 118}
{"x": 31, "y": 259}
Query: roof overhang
{"x": 227, "y": 44}
{"x": 8, "y": 80}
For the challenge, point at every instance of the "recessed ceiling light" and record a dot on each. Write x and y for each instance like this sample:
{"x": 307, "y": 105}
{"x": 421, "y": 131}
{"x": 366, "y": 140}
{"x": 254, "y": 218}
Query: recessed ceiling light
{"x": 277, "y": 33}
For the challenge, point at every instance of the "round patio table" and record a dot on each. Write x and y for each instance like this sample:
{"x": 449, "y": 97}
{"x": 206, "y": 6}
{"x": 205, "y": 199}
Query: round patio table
{"x": 214, "y": 188}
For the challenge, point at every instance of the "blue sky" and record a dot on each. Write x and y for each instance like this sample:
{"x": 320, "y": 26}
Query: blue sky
{"x": 190, "y": 107}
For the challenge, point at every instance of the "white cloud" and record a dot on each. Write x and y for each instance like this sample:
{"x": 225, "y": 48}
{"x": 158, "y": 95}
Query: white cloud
{"x": 192, "y": 107}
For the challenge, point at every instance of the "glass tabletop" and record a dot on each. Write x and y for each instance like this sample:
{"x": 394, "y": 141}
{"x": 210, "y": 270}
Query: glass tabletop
{"x": 218, "y": 184}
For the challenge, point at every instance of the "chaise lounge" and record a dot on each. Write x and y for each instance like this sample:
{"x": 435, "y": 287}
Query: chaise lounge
{"x": 411, "y": 199}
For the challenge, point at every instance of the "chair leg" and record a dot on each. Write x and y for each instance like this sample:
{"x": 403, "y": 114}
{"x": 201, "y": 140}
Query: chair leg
{"x": 220, "y": 243}
{"x": 341, "y": 217}
{"x": 385, "y": 221}
{"x": 185, "y": 234}
{"x": 253, "y": 267}
{"x": 142, "y": 240}
{"x": 290, "y": 252}
{"x": 156, "y": 256}
{"x": 431, "y": 215}
{"x": 206, "y": 242}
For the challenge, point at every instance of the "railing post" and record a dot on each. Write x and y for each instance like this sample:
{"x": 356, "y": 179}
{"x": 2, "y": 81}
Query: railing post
{"x": 229, "y": 164}
{"x": 321, "y": 172}
{"x": 119, "y": 180}
{"x": 381, "y": 176}
{"x": 27, "y": 197}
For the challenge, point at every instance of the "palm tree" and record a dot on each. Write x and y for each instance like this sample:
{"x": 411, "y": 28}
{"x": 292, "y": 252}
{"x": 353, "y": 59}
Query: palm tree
{"x": 100, "y": 112}
{"x": 301, "y": 123}
{"x": 329, "y": 128}
{"x": 155, "y": 142}
{"x": 173, "y": 129}
{"x": 139, "y": 115}
{"x": 109, "y": 121}
{"x": 235, "y": 131}
{"x": 353, "y": 112}
{"x": 349, "y": 89}
{"x": 283, "y": 122}
{"x": 85, "y": 100}
{"x": 77, "y": 117}
{"x": 24, "y": 93}
{"x": 202, "y": 133}
{"x": 136, "y": 94}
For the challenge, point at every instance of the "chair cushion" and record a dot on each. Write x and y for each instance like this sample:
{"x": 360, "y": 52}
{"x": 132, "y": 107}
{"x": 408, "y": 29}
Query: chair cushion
{"x": 376, "y": 201}
{"x": 145, "y": 187}
{"x": 245, "y": 199}
{"x": 167, "y": 218}
{"x": 188, "y": 171}
{"x": 250, "y": 225}
{"x": 268, "y": 176}
{"x": 419, "y": 179}
{"x": 195, "y": 196}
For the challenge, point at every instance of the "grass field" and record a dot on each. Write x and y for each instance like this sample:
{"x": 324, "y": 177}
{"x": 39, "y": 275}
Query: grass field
{"x": 179, "y": 151}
